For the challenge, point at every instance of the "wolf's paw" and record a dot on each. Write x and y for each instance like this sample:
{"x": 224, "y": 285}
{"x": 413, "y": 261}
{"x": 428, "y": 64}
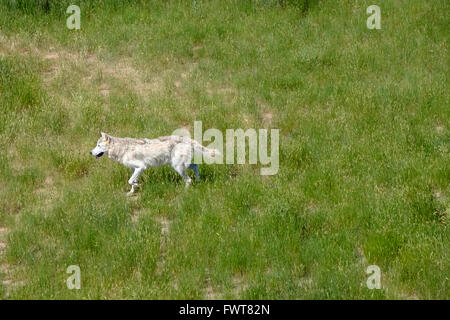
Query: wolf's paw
{"x": 130, "y": 193}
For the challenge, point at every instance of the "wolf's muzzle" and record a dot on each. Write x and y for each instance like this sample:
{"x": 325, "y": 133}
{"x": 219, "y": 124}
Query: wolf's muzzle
{"x": 98, "y": 155}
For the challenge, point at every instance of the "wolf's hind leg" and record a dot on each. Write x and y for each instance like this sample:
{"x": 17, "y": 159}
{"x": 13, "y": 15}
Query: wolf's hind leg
{"x": 194, "y": 167}
{"x": 182, "y": 170}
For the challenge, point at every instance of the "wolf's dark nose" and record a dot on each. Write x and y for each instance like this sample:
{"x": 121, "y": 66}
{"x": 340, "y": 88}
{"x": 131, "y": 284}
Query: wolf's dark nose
{"x": 90, "y": 152}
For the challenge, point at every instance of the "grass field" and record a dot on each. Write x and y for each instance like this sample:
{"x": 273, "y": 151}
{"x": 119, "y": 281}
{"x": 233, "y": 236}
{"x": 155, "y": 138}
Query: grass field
{"x": 364, "y": 149}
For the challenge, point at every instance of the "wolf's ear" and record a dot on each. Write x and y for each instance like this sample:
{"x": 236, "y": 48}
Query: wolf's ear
{"x": 106, "y": 137}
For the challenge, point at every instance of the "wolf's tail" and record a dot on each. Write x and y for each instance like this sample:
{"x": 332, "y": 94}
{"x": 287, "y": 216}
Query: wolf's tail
{"x": 205, "y": 151}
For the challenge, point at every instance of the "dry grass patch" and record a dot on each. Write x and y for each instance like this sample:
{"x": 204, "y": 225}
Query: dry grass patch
{"x": 239, "y": 285}
{"x": 47, "y": 192}
{"x": 61, "y": 60}
{"x": 165, "y": 225}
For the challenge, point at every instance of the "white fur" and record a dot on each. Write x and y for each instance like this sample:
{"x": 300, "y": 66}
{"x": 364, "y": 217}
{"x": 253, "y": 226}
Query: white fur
{"x": 139, "y": 154}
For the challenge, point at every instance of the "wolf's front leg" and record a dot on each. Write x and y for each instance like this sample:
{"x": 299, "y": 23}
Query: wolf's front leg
{"x": 133, "y": 181}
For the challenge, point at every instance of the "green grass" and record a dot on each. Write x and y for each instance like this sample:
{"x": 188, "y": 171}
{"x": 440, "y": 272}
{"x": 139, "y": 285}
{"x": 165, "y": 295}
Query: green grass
{"x": 364, "y": 149}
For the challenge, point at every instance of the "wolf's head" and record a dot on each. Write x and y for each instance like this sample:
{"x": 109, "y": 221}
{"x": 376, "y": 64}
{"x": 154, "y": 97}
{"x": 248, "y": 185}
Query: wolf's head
{"x": 102, "y": 145}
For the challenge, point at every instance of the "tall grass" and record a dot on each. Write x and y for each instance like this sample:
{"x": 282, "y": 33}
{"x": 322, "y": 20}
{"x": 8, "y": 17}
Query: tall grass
{"x": 364, "y": 147}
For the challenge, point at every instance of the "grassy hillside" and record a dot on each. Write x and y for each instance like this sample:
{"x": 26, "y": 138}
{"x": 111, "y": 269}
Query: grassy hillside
{"x": 364, "y": 149}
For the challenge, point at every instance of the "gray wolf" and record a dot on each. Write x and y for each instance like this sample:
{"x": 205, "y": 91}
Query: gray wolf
{"x": 139, "y": 154}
